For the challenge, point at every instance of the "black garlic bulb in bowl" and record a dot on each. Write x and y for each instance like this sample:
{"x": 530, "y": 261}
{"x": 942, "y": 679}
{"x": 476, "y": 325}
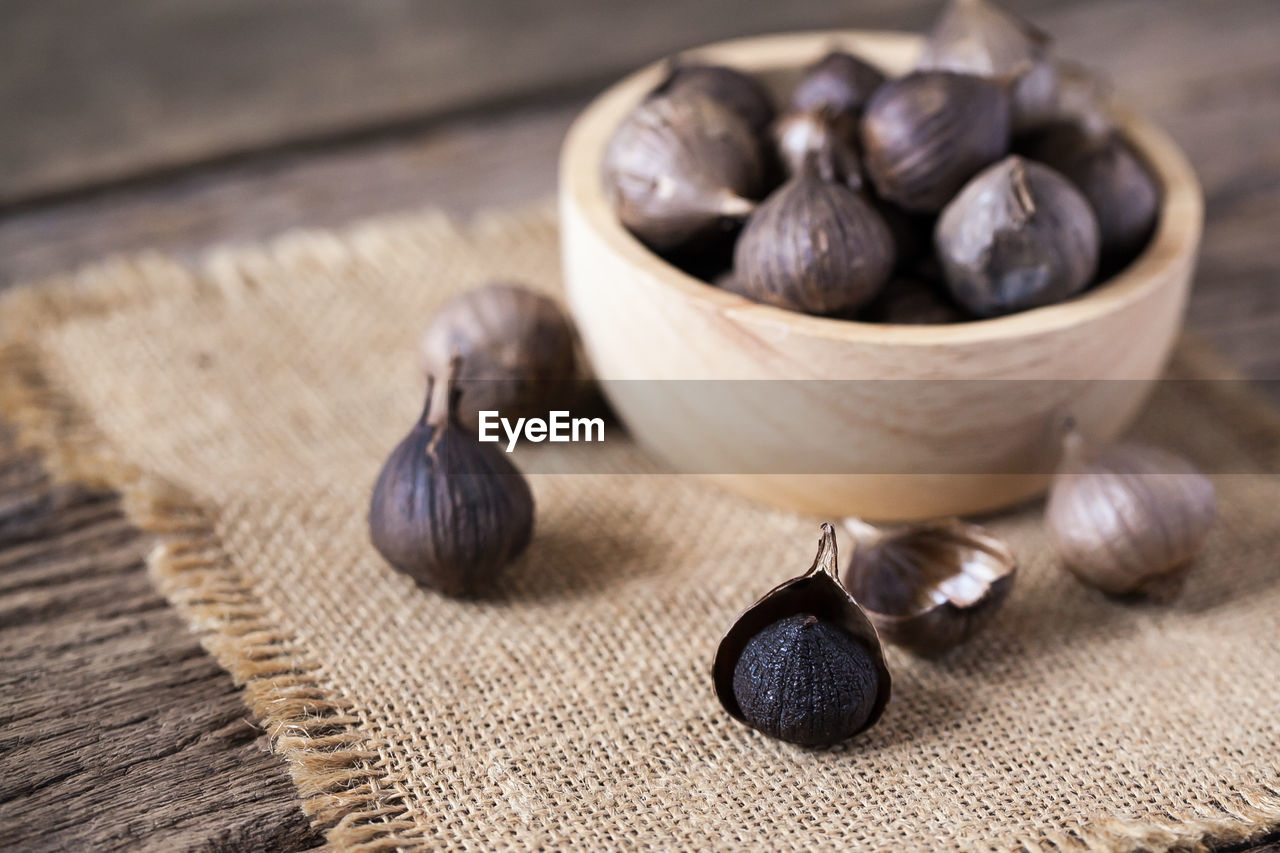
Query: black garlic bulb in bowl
{"x": 803, "y": 664}
{"x": 839, "y": 83}
{"x": 681, "y": 169}
{"x": 925, "y": 134}
{"x": 1119, "y": 187}
{"x": 738, "y": 92}
{"x": 813, "y": 246}
{"x": 928, "y": 587}
{"x": 978, "y": 37}
{"x": 1018, "y": 236}
{"x": 827, "y": 139}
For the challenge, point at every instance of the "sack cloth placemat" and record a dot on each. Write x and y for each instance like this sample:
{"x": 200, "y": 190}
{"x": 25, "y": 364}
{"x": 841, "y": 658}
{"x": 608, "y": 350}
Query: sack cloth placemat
{"x": 243, "y": 410}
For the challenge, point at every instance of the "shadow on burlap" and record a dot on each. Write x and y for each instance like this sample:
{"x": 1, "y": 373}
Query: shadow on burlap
{"x": 244, "y": 409}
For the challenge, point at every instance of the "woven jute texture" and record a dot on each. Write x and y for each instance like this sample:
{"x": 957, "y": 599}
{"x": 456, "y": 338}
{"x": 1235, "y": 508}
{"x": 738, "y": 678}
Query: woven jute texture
{"x": 243, "y": 410}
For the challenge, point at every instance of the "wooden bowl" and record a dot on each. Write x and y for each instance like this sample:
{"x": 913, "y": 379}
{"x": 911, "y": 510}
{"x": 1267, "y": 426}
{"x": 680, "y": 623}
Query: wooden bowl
{"x": 952, "y": 437}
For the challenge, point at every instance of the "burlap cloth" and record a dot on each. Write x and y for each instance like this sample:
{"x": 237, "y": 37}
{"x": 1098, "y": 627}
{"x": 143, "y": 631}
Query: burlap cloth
{"x": 244, "y": 409}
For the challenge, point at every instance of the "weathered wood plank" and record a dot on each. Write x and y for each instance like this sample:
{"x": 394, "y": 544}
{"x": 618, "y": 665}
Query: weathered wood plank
{"x": 117, "y": 730}
{"x": 94, "y": 92}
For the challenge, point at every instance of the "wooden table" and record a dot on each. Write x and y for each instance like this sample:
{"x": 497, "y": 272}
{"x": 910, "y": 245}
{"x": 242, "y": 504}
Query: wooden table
{"x": 176, "y": 126}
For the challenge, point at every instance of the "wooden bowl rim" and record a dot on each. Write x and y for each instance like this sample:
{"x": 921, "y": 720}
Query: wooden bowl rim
{"x": 1174, "y": 242}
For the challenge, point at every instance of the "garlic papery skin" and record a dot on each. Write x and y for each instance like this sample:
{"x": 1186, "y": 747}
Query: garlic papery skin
{"x": 1128, "y": 519}
{"x": 928, "y": 587}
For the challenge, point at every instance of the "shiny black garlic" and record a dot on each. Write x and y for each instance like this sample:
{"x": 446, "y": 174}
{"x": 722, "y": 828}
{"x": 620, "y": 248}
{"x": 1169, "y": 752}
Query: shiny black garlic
{"x": 803, "y": 664}
{"x": 447, "y": 510}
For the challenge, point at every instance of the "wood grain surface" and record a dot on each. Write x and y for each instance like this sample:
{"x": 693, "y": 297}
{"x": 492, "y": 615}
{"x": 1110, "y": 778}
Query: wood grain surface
{"x": 116, "y": 728}
{"x": 152, "y": 124}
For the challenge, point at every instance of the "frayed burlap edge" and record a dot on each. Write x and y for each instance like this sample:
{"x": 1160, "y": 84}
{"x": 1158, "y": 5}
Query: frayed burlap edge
{"x": 338, "y": 767}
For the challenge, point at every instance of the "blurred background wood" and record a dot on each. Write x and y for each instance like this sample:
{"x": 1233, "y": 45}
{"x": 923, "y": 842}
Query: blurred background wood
{"x": 176, "y": 124}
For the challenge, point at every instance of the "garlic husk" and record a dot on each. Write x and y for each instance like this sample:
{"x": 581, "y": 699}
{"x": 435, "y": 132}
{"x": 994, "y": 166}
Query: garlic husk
{"x": 827, "y": 139}
{"x": 978, "y": 37}
{"x": 447, "y": 510}
{"x": 924, "y": 135}
{"x": 839, "y": 82}
{"x": 816, "y": 593}
{"x": 517, "y": 347}
{"x": 1128, "y": 519}
{"x": 681, "y": 169}
{"x": 740, "y": 93}
{"x": 1018, "y": 236}
{"x": 1120, "y": 188}
{"x": 929, "y": 587}
{"x": 813, "y": 246}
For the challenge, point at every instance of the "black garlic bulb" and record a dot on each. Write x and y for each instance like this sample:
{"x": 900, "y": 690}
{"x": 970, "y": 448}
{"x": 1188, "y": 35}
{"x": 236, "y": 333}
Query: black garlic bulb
{"x": 839, "y": 82}
{"x": 741, "y": 93}
{"x": 1118, "y": 185}
{"x": 803, "y": 664}
{"x": 1018, "y": 236}
{"x": 929, "y": 587}
{"x": 813, "y": 246}
{"x": 446, "y": 510}
{"x": 1128, "y": 519}
{"x": 518, "y": 351}
{"x": 925, "y": 134}
{"x": 828, "y": 139}
{"x": 681, "y": 169}
{"x": 777, "y": 693}
{"x": 978, "y": 37}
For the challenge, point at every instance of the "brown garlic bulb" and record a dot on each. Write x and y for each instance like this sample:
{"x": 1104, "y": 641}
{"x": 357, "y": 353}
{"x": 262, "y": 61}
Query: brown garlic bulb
{"x": 681, "y": 169}
{"x": 1128, "y": 519}
{"x": 839, "y": 83}
{"x": 518, "y": 351}
{"x": 1120, "y": 188}
{"x": 1083, "y": 95}
{"x": 813, "y": 246}
{"x": 446, "y": 510}
{"x": 740, "y": 93}
{"x": 803, "y": 664}
{"x": 1019, "y": 235}
{"x": 911, "y": 301}
{"x": 925, "y": 134}
{"x": 827, "y": 138}
{"x": 929, "y": 587}
{"x": 978, "y": 37}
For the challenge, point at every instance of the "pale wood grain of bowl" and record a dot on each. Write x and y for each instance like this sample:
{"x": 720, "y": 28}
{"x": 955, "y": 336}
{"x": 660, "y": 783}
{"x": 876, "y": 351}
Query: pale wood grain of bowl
{"x": 920, "y": 449}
